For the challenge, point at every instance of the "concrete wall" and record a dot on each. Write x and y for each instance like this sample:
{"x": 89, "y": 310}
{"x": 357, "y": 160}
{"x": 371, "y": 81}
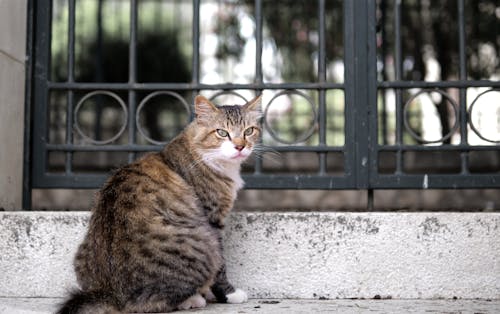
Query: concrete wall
{"x": 12, "y": 81}
{"x": 292, "y": 255}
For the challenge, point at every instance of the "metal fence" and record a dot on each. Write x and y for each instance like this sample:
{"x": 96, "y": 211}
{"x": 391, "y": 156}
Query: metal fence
{"x": 363, "y": 159}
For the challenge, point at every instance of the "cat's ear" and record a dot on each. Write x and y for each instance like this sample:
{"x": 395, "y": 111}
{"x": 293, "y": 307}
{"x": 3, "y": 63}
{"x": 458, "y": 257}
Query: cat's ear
{"x": 203, "y": 108}
{"x": 254, "y": 105}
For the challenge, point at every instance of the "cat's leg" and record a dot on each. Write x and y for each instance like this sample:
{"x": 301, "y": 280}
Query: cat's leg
{"x": 224, "y": 292}
{"x": 193, "y": 302}
{"x": 197, "y": 300}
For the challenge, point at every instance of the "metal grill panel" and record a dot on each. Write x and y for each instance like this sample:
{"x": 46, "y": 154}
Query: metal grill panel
{"x": 365, "y": 114}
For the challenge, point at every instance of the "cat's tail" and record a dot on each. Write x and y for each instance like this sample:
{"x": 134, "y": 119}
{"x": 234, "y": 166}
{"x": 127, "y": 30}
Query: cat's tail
{"x": 86, "y": 302}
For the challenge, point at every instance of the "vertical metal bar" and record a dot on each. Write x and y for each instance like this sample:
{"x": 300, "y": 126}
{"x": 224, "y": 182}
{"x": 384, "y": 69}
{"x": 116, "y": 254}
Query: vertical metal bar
{"x": 258, "y": 66}
{"x": 71, "y": 41}
{"x": 133, "y": 42}
{"x": 196, "y": 43}
{"x": 349, "y": 93}
{"x": 41, "y": 68}
{"x": 322, "y": 78}
{"x": 26, "y": 202}
{"x": 463, "y": 91}
{"x": 383, "y": 8}
{"x": 371, "y": 98}
{"x": 98, "y": 75}
{"x": 361, "y": 101}
{"x": 132, "y": 97}
{"x": 398, "y": 64}
{"x": 71, "y": 79}
{"x": 258, "y": 42}
{"x": 358, "y": 82}
{"x": 322, "y": 51}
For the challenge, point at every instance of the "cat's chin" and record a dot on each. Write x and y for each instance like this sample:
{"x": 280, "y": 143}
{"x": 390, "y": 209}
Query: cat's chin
{"x": 239, "y": 157}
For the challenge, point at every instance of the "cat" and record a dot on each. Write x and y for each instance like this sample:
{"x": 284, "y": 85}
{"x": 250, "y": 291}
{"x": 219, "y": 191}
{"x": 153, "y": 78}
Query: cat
{"x": 154, "y": 241}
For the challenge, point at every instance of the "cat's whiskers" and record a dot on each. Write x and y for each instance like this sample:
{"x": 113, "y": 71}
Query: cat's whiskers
{"x": 270, "y": 153}
{"x": 211, "y": 157}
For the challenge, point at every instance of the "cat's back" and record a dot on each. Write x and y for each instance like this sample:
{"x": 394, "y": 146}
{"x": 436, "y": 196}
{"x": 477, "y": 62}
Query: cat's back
{"x": 148, "y": 181}
{"x": 140, "y": 201}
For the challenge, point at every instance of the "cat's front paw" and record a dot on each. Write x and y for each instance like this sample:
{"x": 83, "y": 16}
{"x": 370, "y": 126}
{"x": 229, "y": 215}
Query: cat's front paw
{"x": 193, "y": 302}
{"x": 238, "y": 296}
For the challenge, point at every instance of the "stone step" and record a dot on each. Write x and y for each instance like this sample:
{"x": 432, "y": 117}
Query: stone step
{"x": 292, "y": 255}
{"x": 291, "y": 306}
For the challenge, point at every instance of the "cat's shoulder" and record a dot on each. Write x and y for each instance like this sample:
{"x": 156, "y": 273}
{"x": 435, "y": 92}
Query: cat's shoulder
{"x": 149, "y": 167}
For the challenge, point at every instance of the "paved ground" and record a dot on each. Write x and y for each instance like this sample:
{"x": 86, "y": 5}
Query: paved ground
{"x": 47, "y": 305}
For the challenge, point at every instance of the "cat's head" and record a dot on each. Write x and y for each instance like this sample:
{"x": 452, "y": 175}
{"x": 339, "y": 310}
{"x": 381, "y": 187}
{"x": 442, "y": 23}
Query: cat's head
{"x": 226, "y": 134}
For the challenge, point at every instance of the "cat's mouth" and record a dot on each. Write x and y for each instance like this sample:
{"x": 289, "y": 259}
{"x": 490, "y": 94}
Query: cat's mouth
{"x": 239, "y": 155}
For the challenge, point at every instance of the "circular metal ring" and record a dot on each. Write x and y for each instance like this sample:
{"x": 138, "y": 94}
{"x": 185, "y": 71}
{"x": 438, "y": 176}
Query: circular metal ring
{"x": 80, "y": 104}
{"x": 418, "y": 137}
{"x": 143, "y": 103}
{"x": 228, "y": 93}
{"x": 471, "y": 123}
{"x": 304, "y": 136}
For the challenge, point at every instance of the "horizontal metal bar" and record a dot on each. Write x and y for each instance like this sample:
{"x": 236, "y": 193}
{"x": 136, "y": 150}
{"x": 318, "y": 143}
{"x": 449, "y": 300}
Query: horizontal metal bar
{"x": 146, "y": 148}
{"x": 102, "y": 148}
{"x": 95, "y": 181}
{"x": 298, "y": 181}
{"x": 442, "y": 84}
{"x": 441, "y": 148}
{"x": 261, "y": 86}
{"x": 312, "y": 149}
{"x": 61, "y": 181}
{"x": 436, "y": 181}
{"x": 188, "y": 86}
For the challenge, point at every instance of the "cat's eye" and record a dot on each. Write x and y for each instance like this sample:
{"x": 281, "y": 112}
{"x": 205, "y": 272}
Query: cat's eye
{"x": 249, "y": 131}
{"x": 222, "y": 133}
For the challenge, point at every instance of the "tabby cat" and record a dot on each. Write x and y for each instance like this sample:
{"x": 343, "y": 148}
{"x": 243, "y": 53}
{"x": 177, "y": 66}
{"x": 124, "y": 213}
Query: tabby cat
{"x": 154, "y": 237}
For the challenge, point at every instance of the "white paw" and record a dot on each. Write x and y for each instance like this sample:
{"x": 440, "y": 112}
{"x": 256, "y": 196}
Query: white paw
{"x": 238, "y": 296}
{"x": 193, "y": 302}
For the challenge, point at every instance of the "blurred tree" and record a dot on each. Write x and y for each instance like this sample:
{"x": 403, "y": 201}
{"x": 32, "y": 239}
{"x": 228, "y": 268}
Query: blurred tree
{"x": 159, "y": 59}
{"x": 430, "y": 29}
{"x": 293, "y": 25}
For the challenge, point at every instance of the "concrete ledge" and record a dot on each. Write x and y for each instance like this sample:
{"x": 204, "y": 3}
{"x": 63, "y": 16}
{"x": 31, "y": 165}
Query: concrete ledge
{"x": 292, "y": 255}
{"x": 266, "y": 306}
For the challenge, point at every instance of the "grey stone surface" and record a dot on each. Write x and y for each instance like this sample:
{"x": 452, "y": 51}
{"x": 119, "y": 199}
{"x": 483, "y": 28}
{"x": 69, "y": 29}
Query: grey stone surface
{"x": 305, "y": 200}
{"x": 37, "y": 251}
{"x": 11, "y": 132}
{"x": 332, "y": 255}
{"x": 12, "y": 81}
{"x": 284, "y": 306}
{"x": 292, "y": 255}
{"x": 13, "y": 25}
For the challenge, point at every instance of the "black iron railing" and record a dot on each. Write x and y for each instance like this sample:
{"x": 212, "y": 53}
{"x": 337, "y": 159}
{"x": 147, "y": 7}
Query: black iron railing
{"x": 364, "y": 150}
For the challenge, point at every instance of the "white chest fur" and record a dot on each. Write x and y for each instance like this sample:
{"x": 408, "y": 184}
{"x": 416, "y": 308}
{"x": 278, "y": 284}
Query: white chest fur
{"x": 233, "y": 172}
{"x": 230, "y": 170}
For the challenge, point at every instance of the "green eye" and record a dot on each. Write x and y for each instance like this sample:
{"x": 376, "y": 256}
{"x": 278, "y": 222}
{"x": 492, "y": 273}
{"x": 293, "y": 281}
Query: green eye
{"x": 249, "y": 131}
{"x": 222, "y": 133}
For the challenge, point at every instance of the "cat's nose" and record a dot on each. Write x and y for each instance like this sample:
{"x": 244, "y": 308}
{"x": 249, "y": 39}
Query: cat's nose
{"x": 239, "y": 147}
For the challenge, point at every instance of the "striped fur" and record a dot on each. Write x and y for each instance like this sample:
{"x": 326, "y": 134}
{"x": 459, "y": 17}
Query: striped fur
{"x": 154, "y": 237}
